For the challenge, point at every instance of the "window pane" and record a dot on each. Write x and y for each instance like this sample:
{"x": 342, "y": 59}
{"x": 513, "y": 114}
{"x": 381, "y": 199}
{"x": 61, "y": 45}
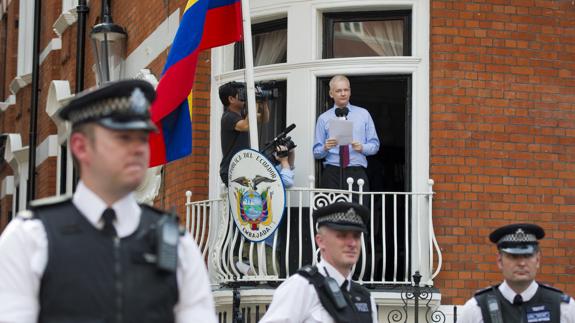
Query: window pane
{"x": 269, "y": 44}
{"x": 277, "y": 107}
{"x": 368, "y": 38}
{"x": 270, "y": 47}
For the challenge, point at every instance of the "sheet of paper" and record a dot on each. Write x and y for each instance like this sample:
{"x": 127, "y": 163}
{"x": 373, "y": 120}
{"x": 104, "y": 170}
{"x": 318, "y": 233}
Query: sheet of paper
{"x": 341, "y": 130}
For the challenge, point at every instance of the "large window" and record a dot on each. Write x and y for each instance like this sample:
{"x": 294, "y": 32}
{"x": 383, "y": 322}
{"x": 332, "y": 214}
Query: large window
{"x": 382, "y": 33}
{"x": 269, "y": 42}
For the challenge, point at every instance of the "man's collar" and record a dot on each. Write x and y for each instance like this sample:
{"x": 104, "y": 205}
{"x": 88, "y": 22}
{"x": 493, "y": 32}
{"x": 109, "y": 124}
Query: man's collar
{"x": 509, "y": 293}
{"x": 326, "y": 269}
{"x": 128, "y": 211}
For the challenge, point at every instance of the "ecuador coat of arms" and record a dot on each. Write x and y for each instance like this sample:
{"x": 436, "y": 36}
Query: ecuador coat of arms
{"x": 256, "y": 195}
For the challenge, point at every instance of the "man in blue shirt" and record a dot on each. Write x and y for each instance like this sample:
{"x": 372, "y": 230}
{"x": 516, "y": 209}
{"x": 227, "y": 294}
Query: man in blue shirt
{"x": 365, "y": 141}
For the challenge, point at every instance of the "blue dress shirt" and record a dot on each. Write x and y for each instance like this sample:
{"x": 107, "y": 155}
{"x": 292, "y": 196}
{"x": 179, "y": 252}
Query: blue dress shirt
{"x": 363, "y": 132}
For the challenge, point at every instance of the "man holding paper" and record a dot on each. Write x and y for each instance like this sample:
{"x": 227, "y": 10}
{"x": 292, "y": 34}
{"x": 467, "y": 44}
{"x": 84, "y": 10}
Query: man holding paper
{"x": 344, "y": 135}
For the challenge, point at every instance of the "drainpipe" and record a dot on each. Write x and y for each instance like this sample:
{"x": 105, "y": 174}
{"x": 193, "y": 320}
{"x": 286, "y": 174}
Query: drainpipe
{"x": 34, "y": 108}
{"x": 82, "y": 11}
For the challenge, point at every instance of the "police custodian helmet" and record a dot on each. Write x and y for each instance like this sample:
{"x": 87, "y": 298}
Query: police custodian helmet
{"x": 120, "y": 105}
{"x": 518, "y": 239}
{"x": 343, "y": 216}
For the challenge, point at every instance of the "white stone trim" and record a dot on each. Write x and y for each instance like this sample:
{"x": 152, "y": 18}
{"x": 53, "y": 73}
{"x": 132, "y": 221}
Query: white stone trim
{"x": 66, "y": 19}
{"x": 17, "y": 157}
{"x": 158, "y": 41}
{"x": 20, "y": 82}
{"x": 69, "y": 5}
{"x": 7, "y": 186}
{"x": 54, "y": 44}
{"x": 58, "y": 94}
{"x": 48, "y": 148}
{"x": 25, "y": 37}
{"x": 10, "y": 100}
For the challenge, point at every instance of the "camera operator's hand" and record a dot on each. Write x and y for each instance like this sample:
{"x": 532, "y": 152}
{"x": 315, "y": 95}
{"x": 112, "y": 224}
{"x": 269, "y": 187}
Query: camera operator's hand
{"x": 284, "y": 161}
{"x": 329, "y": 144}
{"x": 357, "y": 146}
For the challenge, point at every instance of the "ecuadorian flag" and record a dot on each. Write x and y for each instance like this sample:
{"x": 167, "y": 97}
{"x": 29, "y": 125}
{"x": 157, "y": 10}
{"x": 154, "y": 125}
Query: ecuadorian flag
{"x": 205, "y": 24}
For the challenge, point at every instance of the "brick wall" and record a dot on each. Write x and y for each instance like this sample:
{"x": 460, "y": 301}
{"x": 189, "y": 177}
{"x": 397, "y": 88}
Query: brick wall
{"x": 502, "y": 135}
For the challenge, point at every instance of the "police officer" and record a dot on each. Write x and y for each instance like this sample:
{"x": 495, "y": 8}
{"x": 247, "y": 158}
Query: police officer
{"x": 325, "y": 292}
{"x": 100, "y": 256}
{"x": 519, "y": 298}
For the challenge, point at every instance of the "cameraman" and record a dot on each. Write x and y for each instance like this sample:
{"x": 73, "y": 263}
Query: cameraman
{"x": 235, "y": 125}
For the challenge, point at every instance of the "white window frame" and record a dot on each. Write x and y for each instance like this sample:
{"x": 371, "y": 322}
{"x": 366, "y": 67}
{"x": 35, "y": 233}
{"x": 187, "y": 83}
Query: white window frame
{"x": 305, "y": 64}
{"x": 25, "y": 37}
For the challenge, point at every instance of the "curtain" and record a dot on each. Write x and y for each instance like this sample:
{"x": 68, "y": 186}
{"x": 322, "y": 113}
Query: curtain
{"x": 270, "y": 48}
{"x": 383, "y": 37}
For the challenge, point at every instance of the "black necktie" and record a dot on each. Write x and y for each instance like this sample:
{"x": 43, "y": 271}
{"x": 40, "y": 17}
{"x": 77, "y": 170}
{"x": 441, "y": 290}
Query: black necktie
{"x": 344, "y": 287}
{"x": 108, "y": 216}
{"x": 518, "y": 300}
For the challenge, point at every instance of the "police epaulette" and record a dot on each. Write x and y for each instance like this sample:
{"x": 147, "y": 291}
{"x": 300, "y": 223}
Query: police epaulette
{"x": 550, "y": 288}
{"x": 49, "y": 201}
{"x": 485, "y": 290}
{"x": 307, "y": 271}
{"x": 154, "y": 209}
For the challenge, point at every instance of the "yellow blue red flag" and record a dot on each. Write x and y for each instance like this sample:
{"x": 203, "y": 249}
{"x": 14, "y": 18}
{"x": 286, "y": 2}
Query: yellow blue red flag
{"x": 205, "y": 24}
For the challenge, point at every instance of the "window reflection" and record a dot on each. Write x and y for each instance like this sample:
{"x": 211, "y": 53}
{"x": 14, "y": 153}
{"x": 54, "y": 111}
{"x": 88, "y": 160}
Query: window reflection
{"x": 364, "y": 34}
{"x": 368, "y": 38}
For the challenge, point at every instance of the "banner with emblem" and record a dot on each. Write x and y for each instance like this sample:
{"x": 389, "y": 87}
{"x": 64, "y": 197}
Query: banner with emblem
{"x": 256, "y": 195}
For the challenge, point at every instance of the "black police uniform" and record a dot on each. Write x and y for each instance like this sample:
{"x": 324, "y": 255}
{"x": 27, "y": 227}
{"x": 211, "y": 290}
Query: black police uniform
{"x": 70, "y": 270}
{"x": 91, "y": 275}
{"x": 344, "y": 304}
{"x": 543, "y": 306}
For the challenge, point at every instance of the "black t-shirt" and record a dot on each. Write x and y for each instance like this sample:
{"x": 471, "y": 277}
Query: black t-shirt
{"x": 232, "y": 140}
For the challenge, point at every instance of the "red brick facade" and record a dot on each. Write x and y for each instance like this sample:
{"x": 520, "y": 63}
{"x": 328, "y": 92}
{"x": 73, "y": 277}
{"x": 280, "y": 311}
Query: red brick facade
{"x": 502, "y": 134}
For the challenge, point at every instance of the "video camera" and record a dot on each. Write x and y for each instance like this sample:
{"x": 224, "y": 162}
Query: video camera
{"x": 263, "y": 91}
{"x": 270, "y": 149}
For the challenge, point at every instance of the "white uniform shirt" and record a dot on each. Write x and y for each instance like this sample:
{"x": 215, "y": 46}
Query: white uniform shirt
{"x": 296, "y": 301}
{"x": 24, "y": 256}
{"x": 471, "y": 312}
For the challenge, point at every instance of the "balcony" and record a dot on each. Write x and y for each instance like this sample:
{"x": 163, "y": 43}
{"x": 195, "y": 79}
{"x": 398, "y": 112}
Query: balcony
{"x": 401, "y": 242}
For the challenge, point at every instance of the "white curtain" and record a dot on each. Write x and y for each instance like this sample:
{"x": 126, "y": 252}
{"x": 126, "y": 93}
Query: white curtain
{"x": 271, "y": 47}
{"x": 383, "y": 37}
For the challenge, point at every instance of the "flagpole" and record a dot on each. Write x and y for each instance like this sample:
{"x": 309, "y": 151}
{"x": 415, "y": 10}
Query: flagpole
{"x": 252, "y": 109}
{"x": 249, "y": 74}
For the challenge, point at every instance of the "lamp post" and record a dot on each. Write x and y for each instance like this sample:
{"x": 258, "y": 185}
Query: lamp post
{"x": 109, "y": 43}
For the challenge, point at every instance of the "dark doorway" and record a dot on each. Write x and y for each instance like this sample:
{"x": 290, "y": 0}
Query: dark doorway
{"x": 387, "y": 98}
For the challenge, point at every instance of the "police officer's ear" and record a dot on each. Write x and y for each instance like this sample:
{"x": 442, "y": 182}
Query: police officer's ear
{"x": 500, "y": 261}
{"x": 319, "y": 239}
{"x": 79, "y": 141}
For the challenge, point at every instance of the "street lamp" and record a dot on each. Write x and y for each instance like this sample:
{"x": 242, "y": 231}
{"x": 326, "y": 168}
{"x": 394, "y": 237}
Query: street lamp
{"x": 109, "y": 43}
